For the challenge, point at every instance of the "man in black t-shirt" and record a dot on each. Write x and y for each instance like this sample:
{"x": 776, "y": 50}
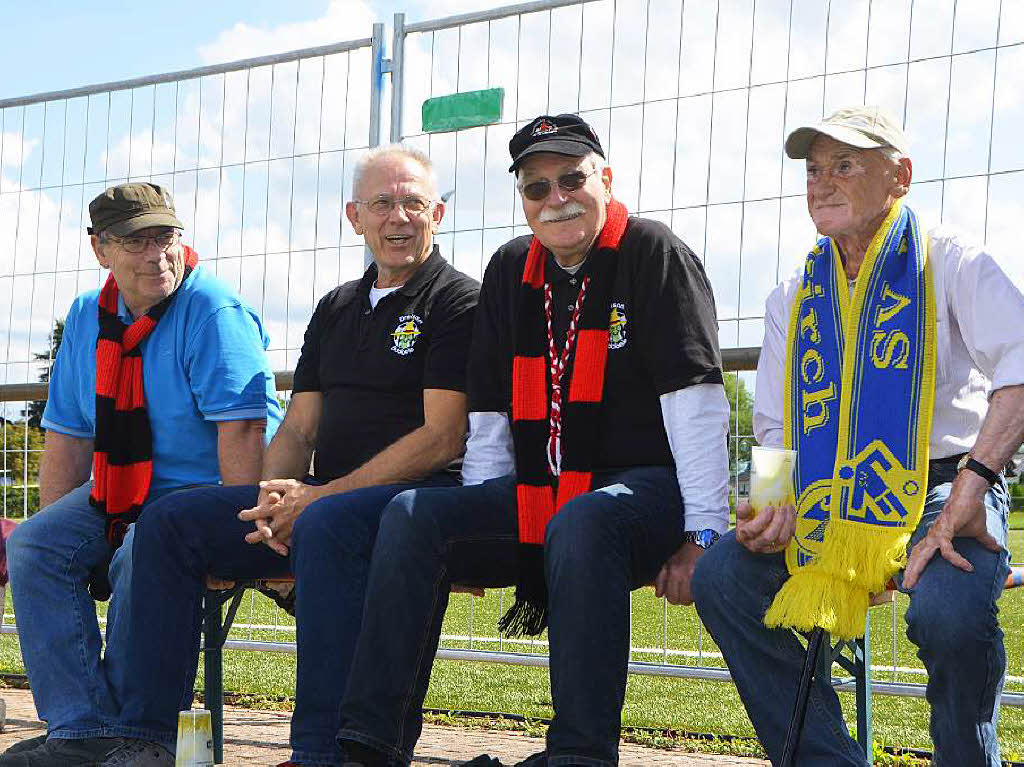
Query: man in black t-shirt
{"x": 379, "y": 405}
{"x": 596, "y": 460}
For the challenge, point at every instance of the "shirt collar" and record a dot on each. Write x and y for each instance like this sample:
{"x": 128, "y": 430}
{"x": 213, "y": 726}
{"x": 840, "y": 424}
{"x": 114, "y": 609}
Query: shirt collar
{"x": 433, "y": 264}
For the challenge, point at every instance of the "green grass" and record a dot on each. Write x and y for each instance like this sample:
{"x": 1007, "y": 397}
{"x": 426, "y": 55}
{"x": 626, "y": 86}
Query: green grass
{"x": 651, "y": 702}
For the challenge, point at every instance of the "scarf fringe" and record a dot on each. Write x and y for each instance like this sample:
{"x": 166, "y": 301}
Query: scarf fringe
{"x": 523, "y": 618}
{"x": 834, "y": 592}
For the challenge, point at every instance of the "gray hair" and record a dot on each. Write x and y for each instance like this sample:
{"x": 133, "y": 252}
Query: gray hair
{"x": 392, "y": 150}
{"x": 891, "y": 153}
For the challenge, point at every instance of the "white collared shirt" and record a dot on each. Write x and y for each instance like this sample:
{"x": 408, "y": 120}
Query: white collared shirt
{"x": 980, "y": 335}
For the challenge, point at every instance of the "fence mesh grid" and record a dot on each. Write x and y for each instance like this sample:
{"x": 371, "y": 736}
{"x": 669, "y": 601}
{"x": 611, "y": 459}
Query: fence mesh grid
{"x": 692, "y": 101}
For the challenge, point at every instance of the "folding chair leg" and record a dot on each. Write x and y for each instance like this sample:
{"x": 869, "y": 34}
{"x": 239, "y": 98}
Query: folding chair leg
{"x": 863, "y": 677}
{"x": 213, "y": 672}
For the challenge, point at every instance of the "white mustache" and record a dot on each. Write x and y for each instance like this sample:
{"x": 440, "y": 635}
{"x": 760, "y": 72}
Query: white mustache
{"x": 571, "y": 209}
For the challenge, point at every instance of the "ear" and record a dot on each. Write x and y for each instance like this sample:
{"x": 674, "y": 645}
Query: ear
{"x": 904, "y": 174}
{"x": 94, "y": 240}
{"x": 352, "y": 214}
{"x": 436, "y": 215}
{"x": 606, "y": 179}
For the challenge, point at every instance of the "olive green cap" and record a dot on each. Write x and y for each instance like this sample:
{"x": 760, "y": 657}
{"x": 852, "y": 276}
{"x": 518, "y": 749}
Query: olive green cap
{"x": 127, "y": 208}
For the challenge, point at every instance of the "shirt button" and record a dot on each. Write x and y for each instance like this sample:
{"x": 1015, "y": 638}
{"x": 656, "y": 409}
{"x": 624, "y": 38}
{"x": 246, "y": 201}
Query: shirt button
{"x": 572, "y": 281}
{"x": 570, "y": 307}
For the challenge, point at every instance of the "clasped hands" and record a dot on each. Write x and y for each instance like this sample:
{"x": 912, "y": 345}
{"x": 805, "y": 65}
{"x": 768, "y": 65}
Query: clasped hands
{"x": 279, "y": 504}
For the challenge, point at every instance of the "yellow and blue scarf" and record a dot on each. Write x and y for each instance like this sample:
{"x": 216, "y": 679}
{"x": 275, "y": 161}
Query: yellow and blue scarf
{"x": 860, "y": 380}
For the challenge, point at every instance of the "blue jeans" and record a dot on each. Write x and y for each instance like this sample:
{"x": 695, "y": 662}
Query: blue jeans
{"x": 190, "y": 534}
{"x": 597, "y": 549}
{"x": 952, "y": 619}
{"x": 50, "y": 557}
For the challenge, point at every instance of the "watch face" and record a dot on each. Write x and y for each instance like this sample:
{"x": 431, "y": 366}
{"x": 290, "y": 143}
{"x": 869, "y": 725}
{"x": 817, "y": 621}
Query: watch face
{"x": 963, "y": 462}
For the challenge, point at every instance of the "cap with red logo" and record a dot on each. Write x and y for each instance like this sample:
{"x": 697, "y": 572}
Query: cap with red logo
{"x": 562, "y": 134}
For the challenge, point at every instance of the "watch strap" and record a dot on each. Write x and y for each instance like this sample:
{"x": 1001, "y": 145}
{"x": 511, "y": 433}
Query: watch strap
{"x": 981, "y": 470}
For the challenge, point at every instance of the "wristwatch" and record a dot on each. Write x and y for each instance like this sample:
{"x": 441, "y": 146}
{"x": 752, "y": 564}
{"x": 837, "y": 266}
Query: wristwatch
{"x": 703, "y": 538}
{"x": 978, "y": 468}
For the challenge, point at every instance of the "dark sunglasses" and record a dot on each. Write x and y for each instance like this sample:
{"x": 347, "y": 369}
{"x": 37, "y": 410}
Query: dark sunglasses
{"x": 567, "y": 182}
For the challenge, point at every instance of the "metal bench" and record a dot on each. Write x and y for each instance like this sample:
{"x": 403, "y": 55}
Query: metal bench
{"x": 854, "y": 657}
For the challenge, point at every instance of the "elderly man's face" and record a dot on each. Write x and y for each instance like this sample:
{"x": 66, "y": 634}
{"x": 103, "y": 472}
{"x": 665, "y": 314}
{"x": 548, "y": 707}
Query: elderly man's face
{"x": 850, "y": 190}
{"x": 566, "y": 223}
{"x": 143, "y": 279}
{"x": 399, "y": 239}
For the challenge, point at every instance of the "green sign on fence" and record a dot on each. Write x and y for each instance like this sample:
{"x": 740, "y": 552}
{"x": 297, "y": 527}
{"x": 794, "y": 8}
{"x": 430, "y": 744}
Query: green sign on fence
{"x": 462, "y": 110}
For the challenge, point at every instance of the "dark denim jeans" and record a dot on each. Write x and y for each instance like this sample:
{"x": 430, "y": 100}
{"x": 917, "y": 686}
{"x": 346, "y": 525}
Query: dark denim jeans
{"x": 952, "y": 619}
{"x": 597, "y": 549}
{"x": 187, "y": 535}
{"x": 51, "y": 557}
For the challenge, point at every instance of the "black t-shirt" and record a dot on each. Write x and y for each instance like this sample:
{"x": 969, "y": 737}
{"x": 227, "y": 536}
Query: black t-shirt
{"x": 663, "y": 336}
{"x": 372, "y": 365}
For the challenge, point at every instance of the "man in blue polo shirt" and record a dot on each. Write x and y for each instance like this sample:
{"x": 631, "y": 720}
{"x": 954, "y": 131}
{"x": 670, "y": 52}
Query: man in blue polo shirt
{"x": 161, "y": 382}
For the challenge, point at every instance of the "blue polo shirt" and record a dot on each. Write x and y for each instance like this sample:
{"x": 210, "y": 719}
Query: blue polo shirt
{"x": 204, "y": 362}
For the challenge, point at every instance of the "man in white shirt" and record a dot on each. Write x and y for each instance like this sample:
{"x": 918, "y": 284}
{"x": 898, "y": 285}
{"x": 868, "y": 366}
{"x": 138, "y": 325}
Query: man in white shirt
{"x": 857, "y": 173}
{"x": 613, "y": 478}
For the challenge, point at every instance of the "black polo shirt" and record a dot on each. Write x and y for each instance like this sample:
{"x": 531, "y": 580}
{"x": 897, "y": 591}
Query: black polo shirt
{"x": 663, "y": 336}
{"x": 372, "y": 365}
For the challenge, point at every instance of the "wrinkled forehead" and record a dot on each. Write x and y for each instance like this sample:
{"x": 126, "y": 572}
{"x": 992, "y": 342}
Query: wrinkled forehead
{"x": 826, "y": 150}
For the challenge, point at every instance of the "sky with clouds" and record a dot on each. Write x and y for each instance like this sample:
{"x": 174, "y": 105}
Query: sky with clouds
{"x": 692, "y": 101}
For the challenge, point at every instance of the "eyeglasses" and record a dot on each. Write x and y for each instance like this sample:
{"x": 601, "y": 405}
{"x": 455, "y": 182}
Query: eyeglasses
{"x": 412, "y": 204}
{"x": 567, "y": 182}
{"x": 163, "y": 241}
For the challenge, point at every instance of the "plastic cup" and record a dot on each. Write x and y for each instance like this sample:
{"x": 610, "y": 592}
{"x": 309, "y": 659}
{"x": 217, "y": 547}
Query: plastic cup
{"x": 771, "y": 477}
{"x": 195, "y": 739}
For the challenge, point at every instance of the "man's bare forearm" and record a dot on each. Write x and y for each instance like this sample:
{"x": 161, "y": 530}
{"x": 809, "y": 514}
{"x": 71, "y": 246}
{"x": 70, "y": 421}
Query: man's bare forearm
{"x": 66, "y": 463}
{"x": 1001, "y": 434}
{"x": 288, "y": 454}
{"x": 240, "y": 451}
{"x": 418, "y": 454}
{"x": 1003, "y": 429}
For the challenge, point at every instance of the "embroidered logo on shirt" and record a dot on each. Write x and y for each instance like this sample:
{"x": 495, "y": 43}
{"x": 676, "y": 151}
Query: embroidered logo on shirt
{"x": 406, "y": 333}
{"x": 617, "y": 327}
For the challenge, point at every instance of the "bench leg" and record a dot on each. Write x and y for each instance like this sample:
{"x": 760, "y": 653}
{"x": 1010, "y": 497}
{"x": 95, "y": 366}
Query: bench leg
{"x": 213, "y": 673}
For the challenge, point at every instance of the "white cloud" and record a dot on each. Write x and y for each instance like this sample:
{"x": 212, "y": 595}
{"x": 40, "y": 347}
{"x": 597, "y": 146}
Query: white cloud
{"x": 343, "y": 20}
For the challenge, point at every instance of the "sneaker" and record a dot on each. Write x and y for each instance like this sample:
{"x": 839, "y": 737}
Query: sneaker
{"x": 63, "y": 752}
{"x": 139, "y": 753}
{"x": 27, "y": 745}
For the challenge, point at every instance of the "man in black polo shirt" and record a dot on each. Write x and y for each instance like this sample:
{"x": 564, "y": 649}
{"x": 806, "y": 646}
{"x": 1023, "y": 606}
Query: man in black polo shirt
{"x": 379, "y": 405}
{"x": 578, "y": 492}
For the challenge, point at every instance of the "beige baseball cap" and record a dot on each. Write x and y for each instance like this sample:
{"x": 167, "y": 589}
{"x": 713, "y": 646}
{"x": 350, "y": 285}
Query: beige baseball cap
{"x": 865, "y": 127}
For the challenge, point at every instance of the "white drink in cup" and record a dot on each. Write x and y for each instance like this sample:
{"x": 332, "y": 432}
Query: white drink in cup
{"x": 771, "y": 477}
{"x": 195, "y": 739}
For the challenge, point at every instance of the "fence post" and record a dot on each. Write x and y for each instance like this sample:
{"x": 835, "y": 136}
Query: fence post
{"x": 377, "y": 66}
{"x": 397, "y": 76}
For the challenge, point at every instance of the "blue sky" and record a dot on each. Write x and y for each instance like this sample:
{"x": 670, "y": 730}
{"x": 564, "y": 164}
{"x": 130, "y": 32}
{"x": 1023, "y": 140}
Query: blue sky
{"x": 57, "y": 44}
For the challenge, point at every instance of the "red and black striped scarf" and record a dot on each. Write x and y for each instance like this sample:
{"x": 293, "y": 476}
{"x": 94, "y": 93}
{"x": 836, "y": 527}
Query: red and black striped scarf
{"x": 539, "y": 493}
{"x": 122, "y": 461}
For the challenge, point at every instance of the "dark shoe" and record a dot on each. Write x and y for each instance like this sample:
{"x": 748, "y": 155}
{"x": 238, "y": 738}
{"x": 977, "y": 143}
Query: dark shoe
{"x": 63, "y": 752}
{"x": 27, "y": 745}
{"x": 540, "y": 759}
{"x": 360, "y": 755}
{"x": 139, "y": 753}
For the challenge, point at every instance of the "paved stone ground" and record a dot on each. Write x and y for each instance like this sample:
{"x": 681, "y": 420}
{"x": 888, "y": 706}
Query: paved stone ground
{"x": 260, "y": 738}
